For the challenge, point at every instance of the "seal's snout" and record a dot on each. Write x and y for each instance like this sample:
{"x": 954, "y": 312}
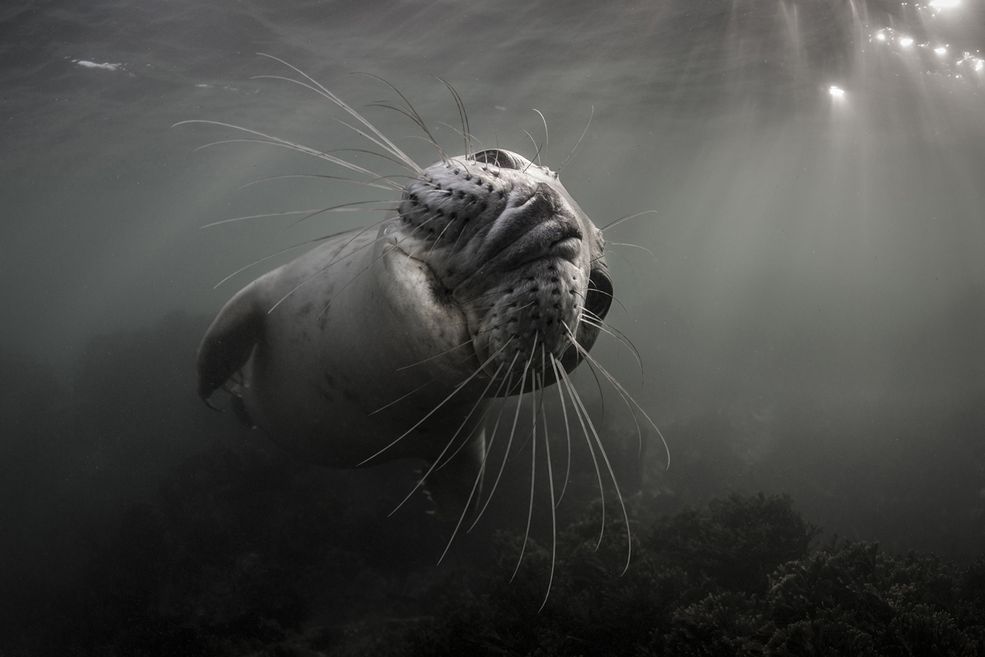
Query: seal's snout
{"x": 536, "y": 225}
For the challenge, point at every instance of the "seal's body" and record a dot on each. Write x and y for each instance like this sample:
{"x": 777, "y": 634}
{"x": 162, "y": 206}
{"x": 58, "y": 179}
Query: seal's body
{"x": 383, "y": 343}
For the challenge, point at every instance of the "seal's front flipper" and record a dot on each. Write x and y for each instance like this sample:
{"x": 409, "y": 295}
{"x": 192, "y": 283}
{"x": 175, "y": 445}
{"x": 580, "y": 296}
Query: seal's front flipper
{"x": 228, "y": 343}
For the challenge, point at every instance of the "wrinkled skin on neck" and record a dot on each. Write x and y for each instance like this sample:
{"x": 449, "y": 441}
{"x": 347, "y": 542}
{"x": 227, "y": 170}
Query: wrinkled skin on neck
{"x": 510, "y": 249}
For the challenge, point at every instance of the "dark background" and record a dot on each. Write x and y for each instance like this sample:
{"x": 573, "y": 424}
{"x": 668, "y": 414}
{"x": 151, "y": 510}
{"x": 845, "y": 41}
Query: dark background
{"x": 810, "y": 314}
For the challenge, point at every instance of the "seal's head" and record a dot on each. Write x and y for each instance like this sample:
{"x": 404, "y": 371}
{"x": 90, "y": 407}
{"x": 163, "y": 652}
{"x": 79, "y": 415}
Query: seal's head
{"x": 509, "y": 250}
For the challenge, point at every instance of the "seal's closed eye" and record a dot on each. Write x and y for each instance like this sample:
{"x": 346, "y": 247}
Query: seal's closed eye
{"x": 501, "y": 158}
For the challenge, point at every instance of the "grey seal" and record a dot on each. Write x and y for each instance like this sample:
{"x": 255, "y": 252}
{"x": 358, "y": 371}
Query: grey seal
{"x": 489, "y": 281}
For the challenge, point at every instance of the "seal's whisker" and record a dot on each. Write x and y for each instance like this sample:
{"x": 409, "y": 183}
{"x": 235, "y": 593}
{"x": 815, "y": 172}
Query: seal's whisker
{"x": 382, "y": 104}
{"x": 478, "y": 425}
{"x": 598, "y": 384}
{"x": 398, "y": 156}
{"x": 463, "y": 115}
{"x": 536, "y": 149}
{"x": 633, "y": 246}
{"x": 573, "y": 395}
{"x": 618, "y": 386}
{"x": 612, "y": 476}
{"x": 437, "y": 355}
{"x": 547, "y": 138}
{"x": 277, "y": 253}
{"x": 550, "y": 488}
{"x": 437, "y": 239}
{"x": 614, "y": 298}
{"x": 618, "y": 335}
{"x": 321, "y": 270}
{"x": 401, "y": 397}
{"x": 480, "y": 474}
{"x": 351, "y": 181}
{"x": 533, "y": 476}
{"x": 577, "y": 143}
{"x": 298, "y": 148}
{"x": 458, "y": 132}
{"x": 434, "y": 410}
{"x": 414, "y": 115}
{"x": 632, "y": 413}
{"x": 509, "y": 441}
{"x": 368, "y": 151}
{"x": 265, "y": 215}
{"x": 504, "y": 322}
{"x": 451, "y": 441}
{"x": 567, "y": 431}
{"x": 271, "y": 140}
{"x": 352, "y": 206}
{"x": 622, "y": 220}
{"x": 428, "y": 137}
{"x": 338, "y": 101}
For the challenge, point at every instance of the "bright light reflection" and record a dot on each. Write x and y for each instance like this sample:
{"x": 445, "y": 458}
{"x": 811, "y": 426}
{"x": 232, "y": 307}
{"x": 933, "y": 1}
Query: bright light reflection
{"x": 836, "y": 92}
{"x": 940, "y": 50}
{"x": 979, "y": 65}
{"x": 880, "y": 36}
{"x": 906, "y": 41}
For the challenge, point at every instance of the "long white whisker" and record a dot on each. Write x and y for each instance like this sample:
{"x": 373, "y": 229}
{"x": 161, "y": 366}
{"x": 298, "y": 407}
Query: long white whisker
{"x": 321, "y": 270}
{"x": 577, "y": 143}
{"x": 537, "y": 148}
{"x": 311, "y": 212}
{"x": 547, "y": 139}
{"x": 633, "y": 246}
{"x": 482, "y": 469}
{"x": 591, "y": 319}
{"x": 437, "y": 459}
{"x": 413, "y": 114}
{"x": 463, "y": 115}
{"x": 396, "y": 156}
{"x": 402, "y": 397}
{"x": 434, "y": 410}
{"x": 615, "y": 482}
{"x": 533, "y": 478}
{"x": 621, "y": 220}
{"x": 459, "y": 133}
{"x": 632, "y": 413}
{"x": 284, "y": 143}
{"x": 550, "y": 487}
{"x": 277, "y": 253}
{"x": 352, "y": 206}
{"x": 608, "y": 294}
{"x": 430, "y": 358}
{"x": 620, "y": 387}
{"x": 479, "y": 424}
{"x": 509, "y": 441}
{"x": 572, "y": 393}
{"x": 567, "y": 432}
{"x": 338, "y": 101}
{"x": 318, "y": 176}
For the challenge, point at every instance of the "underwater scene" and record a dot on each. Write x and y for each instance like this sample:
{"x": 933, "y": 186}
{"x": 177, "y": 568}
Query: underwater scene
{"x": 644, "y": 327}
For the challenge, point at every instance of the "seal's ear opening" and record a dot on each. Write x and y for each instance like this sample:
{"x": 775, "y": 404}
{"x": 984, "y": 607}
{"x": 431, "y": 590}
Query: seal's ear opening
{"x": 598, "y": 297}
